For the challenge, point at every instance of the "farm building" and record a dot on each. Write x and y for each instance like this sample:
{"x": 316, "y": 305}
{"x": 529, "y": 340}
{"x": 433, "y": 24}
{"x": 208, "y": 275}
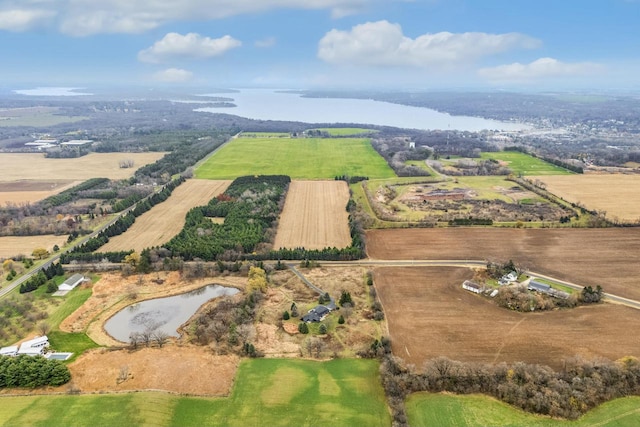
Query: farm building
{"x": 547, "y": 289}
{"x": 539, "y": 287}
{"x": 471, "y": 286}
{"x": 9, "y": 351}
{"x": 316, "y": 314}
{"x": 34, "y": 347}
{"x": 71, "y": 282}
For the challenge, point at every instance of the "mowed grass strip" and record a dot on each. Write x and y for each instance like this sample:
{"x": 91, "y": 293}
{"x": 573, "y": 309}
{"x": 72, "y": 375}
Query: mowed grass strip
{"x": 275, "y": 392}
{"x": 524, "y": 164}
{"x": 300, "y": 158}
{"x": 425, "y": 409}
{"x": 347, "y": 131}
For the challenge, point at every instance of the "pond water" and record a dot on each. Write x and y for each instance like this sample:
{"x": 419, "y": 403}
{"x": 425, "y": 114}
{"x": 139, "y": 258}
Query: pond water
{"x": 162, "y": 314}
{"x": 265, "y": 104}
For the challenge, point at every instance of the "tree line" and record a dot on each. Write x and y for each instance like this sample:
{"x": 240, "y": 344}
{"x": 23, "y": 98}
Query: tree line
{"x": 32, "y": 372}
{"x": 580, "y": 386}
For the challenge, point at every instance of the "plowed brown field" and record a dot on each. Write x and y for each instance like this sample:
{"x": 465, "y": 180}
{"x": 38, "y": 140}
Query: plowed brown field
{"x": 609, "y": 257}
{"x": 165, "y": 220}
{"x": 315, "y": 216}
{"x": 30, "y": 191}
{"x": 430, "y": 315}
{"x": 617, "y": 194}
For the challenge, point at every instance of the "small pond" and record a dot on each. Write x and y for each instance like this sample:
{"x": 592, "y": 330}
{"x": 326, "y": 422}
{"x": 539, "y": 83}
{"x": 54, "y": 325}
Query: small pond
{"x": 164, "y": 314}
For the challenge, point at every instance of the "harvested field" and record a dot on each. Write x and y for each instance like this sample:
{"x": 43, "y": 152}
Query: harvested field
{"x": 315, "y": 216}
{"x": 617, "y": 194}
{"x": 19, "y": 166}
{"x": 174, "y": 368}
{"x": 30, "y": 191}
{"x": 166, "y": 219}
{"x": 609, "y": 257}
{"x": 11, "y": 246}
{"x": 430, "y": 315}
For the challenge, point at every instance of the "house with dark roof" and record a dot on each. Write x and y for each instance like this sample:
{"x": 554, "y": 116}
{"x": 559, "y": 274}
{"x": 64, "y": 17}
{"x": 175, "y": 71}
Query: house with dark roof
{"x": 539, "y": 287}
{"x": 316, "y": 314}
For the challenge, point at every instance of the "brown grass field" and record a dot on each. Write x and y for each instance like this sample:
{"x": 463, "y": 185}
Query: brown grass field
{"x": 166, "y": 219}
{"x": 18, "y": 166}
{"x": 609, "y": 257}
{"x": 27, "y": 178}
{"x": 617, "y": 194}
{"x": 430, "y": 315}
{"x": 314, "y": 216}
{"x": 11, "y": 246}
{"x": 30, "y": 191}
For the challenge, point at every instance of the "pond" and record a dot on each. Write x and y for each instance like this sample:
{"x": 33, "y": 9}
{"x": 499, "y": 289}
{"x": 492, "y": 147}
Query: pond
{"x": 162, "y": 314}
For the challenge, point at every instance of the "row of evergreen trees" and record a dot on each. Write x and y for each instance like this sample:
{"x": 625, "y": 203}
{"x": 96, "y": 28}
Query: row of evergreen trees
{"x": 124, "y": 222}
{"x": 31, "y": 372}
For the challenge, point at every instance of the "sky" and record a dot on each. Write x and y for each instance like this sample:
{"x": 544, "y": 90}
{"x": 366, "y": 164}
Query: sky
{"x": 361, "y": 44}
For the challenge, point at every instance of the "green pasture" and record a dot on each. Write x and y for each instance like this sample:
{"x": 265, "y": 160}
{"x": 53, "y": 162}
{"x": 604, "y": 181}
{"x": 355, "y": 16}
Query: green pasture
{"x": 40, "y": 119}
{"x": 443, "y": 410}
{"x": 266, "y": 134}
{"x": 524, "y": 164}
{"x": 346, "y": 131}
{"x": 300, "y": 158}
{"x": 274, "y": 392}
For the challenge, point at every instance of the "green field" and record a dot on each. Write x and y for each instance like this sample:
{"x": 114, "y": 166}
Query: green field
{"x": 300, "y": 158}
{"x": 274, "y": 392}
{"x": 443, "y": 410}
{"x": 266, "y": 134}
{"x": 346, "y": 131}
{"x": 524, "y": 164}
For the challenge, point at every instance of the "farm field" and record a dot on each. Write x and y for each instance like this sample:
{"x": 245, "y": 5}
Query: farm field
{"x": 165, "y": 220}
{"x": 314, "y": 216}
{"x": 299, "y": 158}
{"x": 430, "y": 315}
{"x": 20, "y": 166}
{"x": 346, "y": 131}
{"x": 617, "y": 194}
{"x": 11, "y": 246}
{"x": 277, "y": 392}
{"x": 446, "y": 410}
{"x": 521, "y": 163}
{"x": 34, "y": 116}
{"x": 609, "y": 257}
{"x": 30, "y": 191}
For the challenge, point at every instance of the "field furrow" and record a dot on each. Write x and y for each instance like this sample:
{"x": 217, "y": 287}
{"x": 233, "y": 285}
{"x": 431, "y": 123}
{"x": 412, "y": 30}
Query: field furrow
{"x": 166, "y": 219}
{"x": 314, "y": 216}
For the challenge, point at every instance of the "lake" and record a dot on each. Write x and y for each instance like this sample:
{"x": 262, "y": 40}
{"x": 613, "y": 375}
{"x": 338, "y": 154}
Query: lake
{"x": 264, "y": 104}
{"x": 165, "y": 314}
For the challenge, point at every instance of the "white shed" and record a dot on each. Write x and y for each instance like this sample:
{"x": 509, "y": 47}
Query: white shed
{"x": 37, "y": 342}
{"x": 9, "y": 351}
{"x": 71, "y": 282}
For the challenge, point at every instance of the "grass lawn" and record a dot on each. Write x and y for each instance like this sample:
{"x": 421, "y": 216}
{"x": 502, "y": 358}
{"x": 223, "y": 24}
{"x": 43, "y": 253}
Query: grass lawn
{"x": 346, "y": 131}
{"x": 300, "y": 158}
{"x": 266, "y": 134}
{"x": 525, "y": 164}
{"x": 274, "y": 392}
{"x": 425, "y": 409}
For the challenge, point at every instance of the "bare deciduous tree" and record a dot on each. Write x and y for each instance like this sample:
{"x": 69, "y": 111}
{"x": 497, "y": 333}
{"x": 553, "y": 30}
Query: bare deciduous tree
{"x": 160, "y": 337}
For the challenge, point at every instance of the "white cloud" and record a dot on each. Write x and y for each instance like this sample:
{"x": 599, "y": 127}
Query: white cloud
{"x": 264, "y": 43}
{"x": 542, "y": 68}
{"x": 86, "y": 17}
{"x": 173, "y": 75}
{"x": 191, "y": 45}
{"x": 23, "y": 19}
{"x": 384, "y": 44}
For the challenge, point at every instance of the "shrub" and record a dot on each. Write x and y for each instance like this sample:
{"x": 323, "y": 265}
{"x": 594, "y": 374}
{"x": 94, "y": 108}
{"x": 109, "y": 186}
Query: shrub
{"x": 286, "y": 316}
{"x": 303, "y": 328}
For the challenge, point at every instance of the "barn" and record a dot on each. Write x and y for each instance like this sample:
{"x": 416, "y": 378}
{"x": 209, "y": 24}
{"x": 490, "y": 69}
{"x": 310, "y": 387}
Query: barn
{"x": 71, "y": 282}
{"x": 471, "y": 286}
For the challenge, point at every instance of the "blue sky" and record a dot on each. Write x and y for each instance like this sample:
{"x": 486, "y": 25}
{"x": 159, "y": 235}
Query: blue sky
{"x": 419, "y": 44}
